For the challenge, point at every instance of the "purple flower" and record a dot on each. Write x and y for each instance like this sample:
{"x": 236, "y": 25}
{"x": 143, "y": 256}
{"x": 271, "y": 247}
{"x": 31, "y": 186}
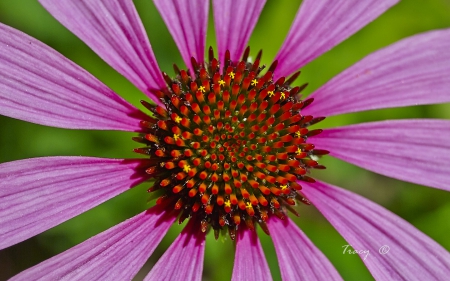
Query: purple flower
{"x": 262, "y": 173}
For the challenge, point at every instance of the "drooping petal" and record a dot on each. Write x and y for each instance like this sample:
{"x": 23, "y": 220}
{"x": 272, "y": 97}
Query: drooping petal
{"x": 414, "y": 150}
{"x": 321, "y": 25}
{"x": 184, "y": 258}
{"x": 250, "y": 262}
{"x": 187, "y": 21}
{"x": 40, "y": 193}
{"x": 115, "y": 32}
{"x": 397, "y": 250}
{"x": 234, "y": 22}
{"x": 410, "y": 72}
{"x": 115, "y": 254}
{"x": 299, "y": 258}
{"x": 39, "y": 85}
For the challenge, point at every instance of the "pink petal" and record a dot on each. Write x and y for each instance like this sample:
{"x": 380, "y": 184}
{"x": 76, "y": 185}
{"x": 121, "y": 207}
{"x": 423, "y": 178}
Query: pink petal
{"x": 234, "y": 22}
{"x": 115, "y": 254}
{"x": 415, "y": 150}
{"x": 250, "y": 262}
{"x": 298, "y": 258}
{"x": 39, "y": 85}
{"x": 410, "y": 72}
{"x": 184, "y": 258}
{"x": 187, "y": 21}
{"x": 115, "y": 32}
{"x": 321, "y": 25}
{"x": 367, "y": 226}
{"x": 37, "y": 194}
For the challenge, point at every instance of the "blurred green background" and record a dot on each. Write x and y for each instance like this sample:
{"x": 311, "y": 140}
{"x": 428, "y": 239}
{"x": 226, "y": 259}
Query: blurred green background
{"x": 428, "y": 209}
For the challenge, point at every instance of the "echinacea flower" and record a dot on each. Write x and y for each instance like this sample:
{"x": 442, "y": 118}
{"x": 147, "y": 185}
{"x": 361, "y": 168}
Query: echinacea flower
{"x": 228, "y": 144}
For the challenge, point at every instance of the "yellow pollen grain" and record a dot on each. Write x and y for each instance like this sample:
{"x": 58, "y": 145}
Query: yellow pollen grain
{"x": 270, "y": 93}
{"x": 221, "y": 82}
{"x": 299, "y": 151}
{"x": 231, "y": 74}
{"x": 201, "y": 89}
{"x": 248, "y": 205}
{"x": 178, "y": 119}
{"x": 283, "y": 96}
{"x": 176, "y": 137}
{"x": 254, "y": 82}
{"x": 283, "y": 187}
{"x": 227, "y": 203}
{"x": 298, "y": 134}
{"x": 186, "y": 168}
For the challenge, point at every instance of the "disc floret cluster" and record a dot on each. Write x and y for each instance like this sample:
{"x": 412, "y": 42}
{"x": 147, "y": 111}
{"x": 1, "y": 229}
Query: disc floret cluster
{"x": 229, "y": 146}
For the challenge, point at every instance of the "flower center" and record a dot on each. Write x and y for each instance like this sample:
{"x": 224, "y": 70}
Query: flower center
{"x": 230, "y": 145}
